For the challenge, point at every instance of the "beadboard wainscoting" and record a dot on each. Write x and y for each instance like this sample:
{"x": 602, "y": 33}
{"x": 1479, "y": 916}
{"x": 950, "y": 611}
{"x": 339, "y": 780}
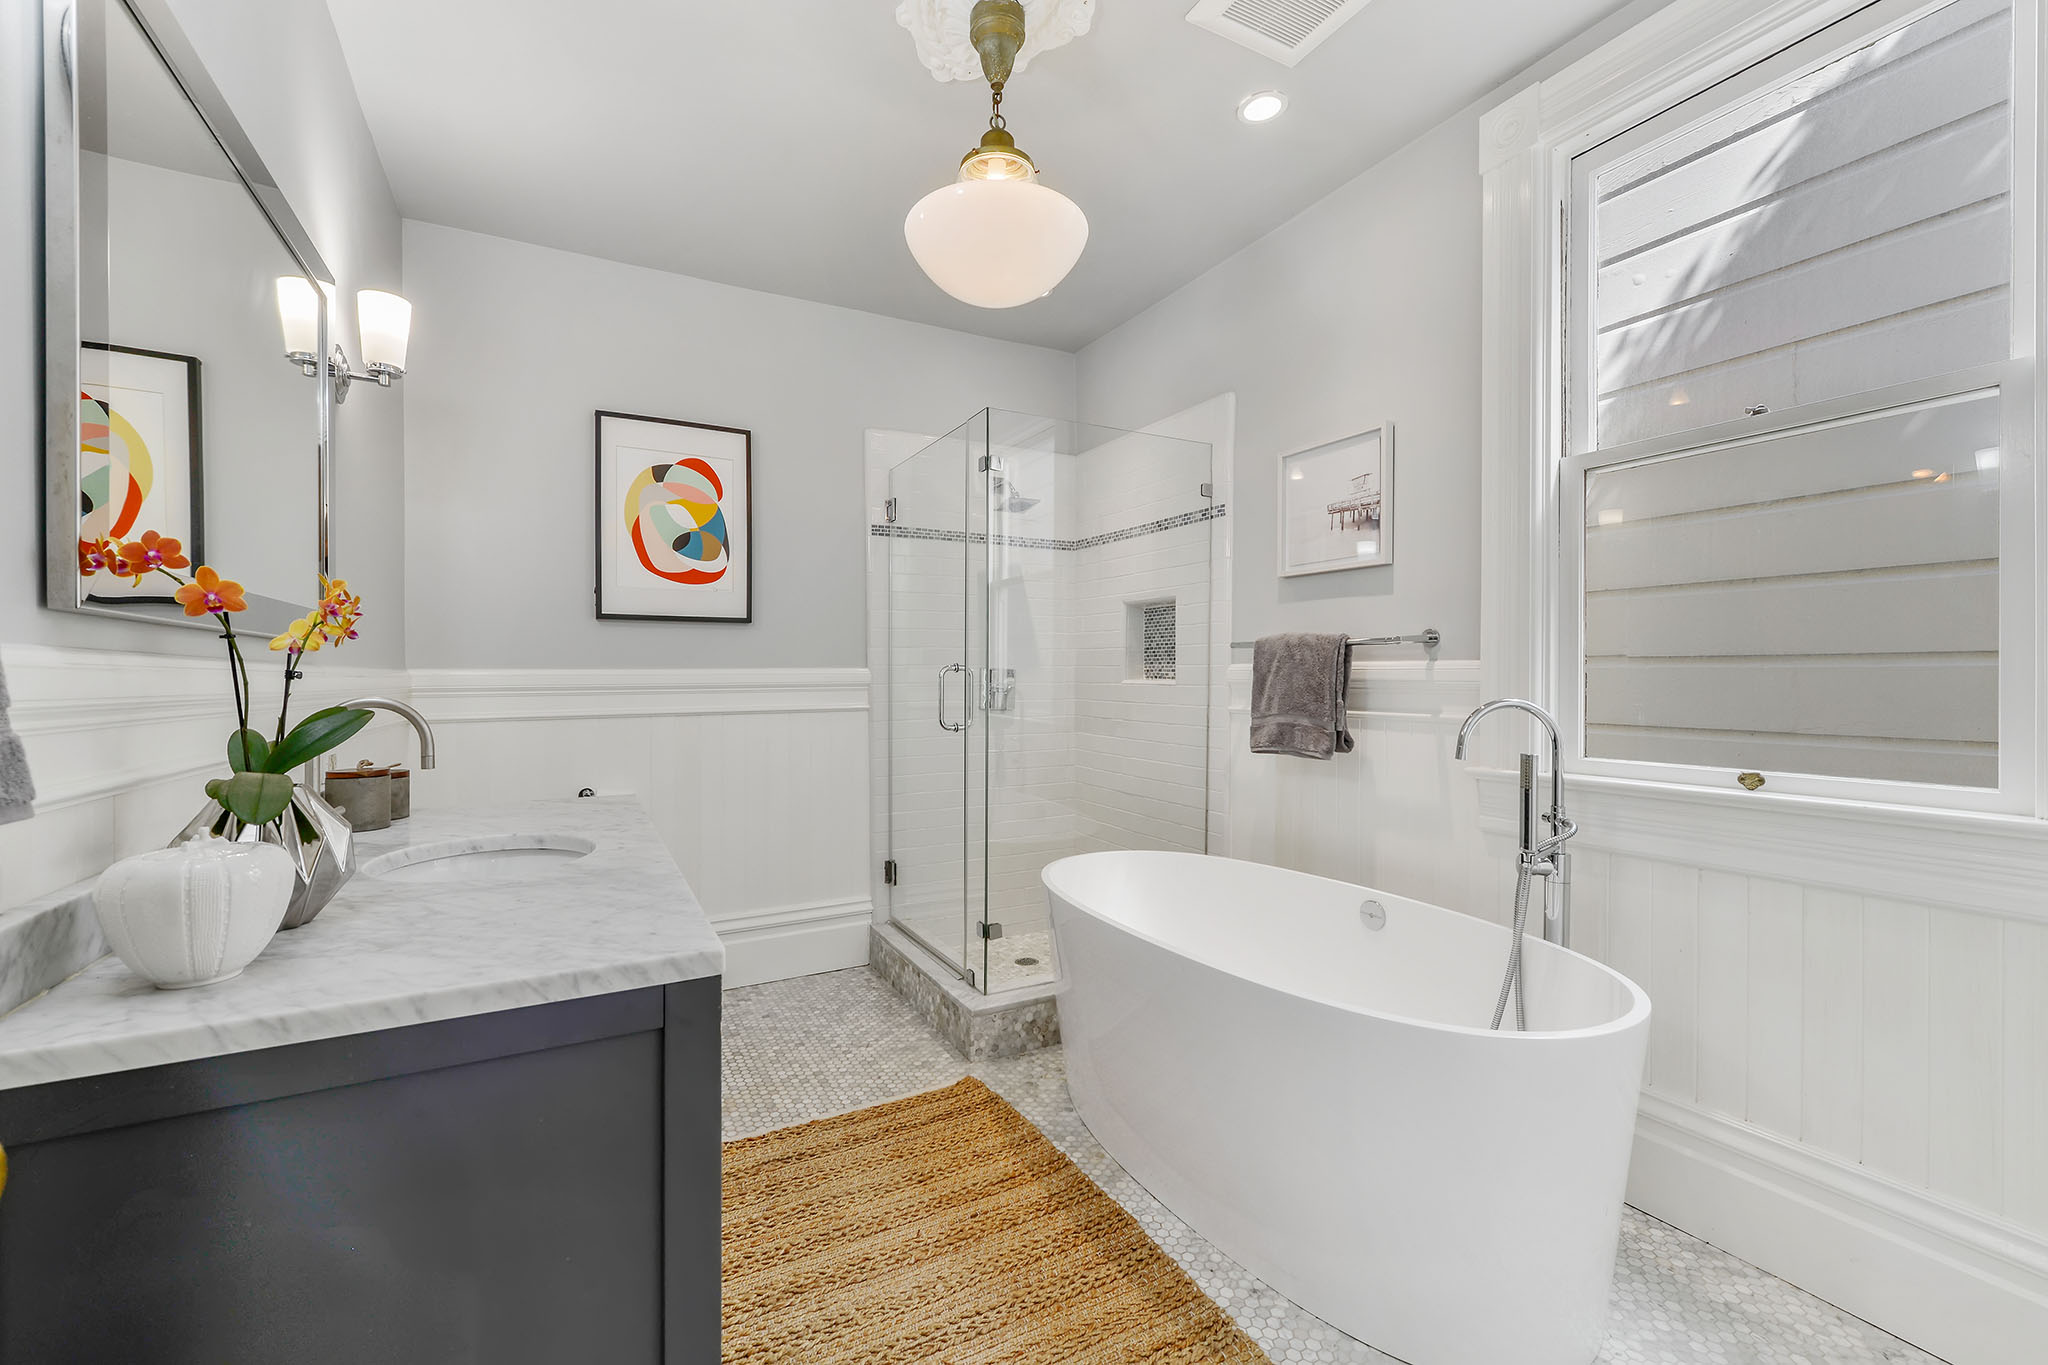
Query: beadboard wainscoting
{"x": 120, "y": 745}
{"x": 1395, "y": 813}
{"x": 1848, "y": 1072}
{"x": 756, "y": 778}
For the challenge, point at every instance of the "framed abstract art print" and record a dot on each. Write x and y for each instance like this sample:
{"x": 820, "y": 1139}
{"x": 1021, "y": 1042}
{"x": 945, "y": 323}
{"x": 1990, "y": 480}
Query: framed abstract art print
{"x": 675, "y": 535}
{"x": 139, "y": 446}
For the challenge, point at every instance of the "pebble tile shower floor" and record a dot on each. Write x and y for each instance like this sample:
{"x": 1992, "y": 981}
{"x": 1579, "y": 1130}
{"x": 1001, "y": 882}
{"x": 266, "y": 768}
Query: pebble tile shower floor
{"x": 821, "y": 1045}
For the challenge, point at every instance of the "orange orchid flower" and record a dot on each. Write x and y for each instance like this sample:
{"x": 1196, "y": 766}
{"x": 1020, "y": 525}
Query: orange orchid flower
{"x": 210, "y": 594}
{"x": 95, "y": 555}
{"x": 152, "y": 552}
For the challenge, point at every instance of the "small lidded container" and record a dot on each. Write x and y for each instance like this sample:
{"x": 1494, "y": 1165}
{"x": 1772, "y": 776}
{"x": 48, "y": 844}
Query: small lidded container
{"x": 401, "y": 792}
{"x": 362, "y": 794}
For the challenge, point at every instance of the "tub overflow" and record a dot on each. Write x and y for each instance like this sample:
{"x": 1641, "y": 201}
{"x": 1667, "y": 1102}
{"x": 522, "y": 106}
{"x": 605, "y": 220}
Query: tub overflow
{"x": 1374, "y": 914}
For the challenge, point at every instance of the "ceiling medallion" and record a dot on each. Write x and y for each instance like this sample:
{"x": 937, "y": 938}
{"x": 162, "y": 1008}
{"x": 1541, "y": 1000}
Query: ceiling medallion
{"x": 947, "y": 51}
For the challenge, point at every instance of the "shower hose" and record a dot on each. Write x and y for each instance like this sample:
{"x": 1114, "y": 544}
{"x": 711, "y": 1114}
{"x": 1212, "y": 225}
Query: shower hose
{"x": 1511, "y": 983}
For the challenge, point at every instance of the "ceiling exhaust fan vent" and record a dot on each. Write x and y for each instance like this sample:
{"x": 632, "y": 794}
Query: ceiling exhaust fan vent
{"x": 1285, "y": 30}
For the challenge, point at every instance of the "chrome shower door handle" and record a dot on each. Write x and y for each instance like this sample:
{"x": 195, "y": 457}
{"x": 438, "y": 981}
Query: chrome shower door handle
{"x": 961, "y": 669}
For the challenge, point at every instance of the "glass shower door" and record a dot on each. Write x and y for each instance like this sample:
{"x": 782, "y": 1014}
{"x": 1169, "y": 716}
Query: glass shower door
{"x": 935, "y": 790}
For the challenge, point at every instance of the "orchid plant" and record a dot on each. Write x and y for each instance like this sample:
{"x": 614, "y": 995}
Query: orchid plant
{"x": 259, "y": 789}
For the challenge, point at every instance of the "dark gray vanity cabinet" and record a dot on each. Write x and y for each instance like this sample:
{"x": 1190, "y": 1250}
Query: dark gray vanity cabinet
{"x": 528, "y": 1187}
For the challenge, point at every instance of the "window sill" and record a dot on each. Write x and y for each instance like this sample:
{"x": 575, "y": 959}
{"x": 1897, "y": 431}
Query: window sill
{"x": 1995, "y": 864}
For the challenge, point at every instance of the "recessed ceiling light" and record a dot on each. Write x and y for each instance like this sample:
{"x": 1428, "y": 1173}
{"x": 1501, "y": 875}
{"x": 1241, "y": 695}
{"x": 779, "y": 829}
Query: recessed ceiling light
{"x": 1262, "y": 106}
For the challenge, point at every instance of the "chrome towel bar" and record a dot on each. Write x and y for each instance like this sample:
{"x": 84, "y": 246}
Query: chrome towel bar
{"x": 1429, "y": 639}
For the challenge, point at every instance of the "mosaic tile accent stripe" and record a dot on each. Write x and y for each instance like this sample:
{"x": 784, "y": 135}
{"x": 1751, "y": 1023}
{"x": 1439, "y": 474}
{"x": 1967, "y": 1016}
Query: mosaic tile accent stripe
{"x": 1150, "y": 528}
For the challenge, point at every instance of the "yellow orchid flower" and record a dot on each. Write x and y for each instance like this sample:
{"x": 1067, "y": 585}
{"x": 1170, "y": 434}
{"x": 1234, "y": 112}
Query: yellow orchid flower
{"x": 301, "y": 636}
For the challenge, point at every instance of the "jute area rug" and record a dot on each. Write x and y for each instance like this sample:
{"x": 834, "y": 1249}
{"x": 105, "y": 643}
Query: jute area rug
{"x": 944, "y": 1229}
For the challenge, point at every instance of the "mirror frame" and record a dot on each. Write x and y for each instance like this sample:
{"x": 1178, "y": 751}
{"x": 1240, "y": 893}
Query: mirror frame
{"x": 62, "y": 326}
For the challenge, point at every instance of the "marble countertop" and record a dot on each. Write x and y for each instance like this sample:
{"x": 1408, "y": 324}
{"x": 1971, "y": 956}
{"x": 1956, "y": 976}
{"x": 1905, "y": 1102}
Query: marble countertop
{"x": 385, "y": 954}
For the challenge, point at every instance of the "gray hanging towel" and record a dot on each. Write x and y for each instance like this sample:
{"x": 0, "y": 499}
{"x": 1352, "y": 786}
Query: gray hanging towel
{"x": 16, "y": 791}
{"x": 1299, "y": 684}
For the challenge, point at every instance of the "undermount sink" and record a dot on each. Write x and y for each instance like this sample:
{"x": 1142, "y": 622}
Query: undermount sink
{"x": 479, "y": 862}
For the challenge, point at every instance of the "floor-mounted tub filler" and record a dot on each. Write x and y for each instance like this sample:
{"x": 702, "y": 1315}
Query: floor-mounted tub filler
{"x": 1303, "y": 1071}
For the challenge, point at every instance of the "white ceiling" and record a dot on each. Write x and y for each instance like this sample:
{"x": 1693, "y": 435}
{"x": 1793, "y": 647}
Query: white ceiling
{"x": 778, "y": 145}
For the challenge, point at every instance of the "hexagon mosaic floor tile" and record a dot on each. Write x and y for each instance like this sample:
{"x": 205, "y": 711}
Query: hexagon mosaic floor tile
{"x": 821, "y": 1045}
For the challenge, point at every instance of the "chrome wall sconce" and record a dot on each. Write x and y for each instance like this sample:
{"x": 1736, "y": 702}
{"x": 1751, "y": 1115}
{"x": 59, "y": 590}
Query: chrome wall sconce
{"x": 384, "y": 320}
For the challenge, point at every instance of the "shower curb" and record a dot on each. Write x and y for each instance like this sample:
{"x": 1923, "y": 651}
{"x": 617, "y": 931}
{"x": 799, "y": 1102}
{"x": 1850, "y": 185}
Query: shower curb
{"x": 979, "y": 1027}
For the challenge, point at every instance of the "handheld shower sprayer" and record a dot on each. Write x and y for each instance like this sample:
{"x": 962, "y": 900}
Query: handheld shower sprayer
{"x": 1543, "y": 857}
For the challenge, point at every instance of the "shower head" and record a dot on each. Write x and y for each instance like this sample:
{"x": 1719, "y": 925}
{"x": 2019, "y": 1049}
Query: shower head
{"x": 1009, "y": 498}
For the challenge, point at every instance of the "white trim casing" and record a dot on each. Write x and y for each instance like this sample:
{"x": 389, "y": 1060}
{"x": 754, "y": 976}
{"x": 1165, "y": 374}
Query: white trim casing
{"x": 1576, "y": 456}
{"x": 1527, "y": 145}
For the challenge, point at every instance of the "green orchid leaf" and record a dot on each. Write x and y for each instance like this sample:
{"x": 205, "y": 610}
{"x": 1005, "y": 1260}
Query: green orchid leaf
{"x": 215, "y": 787}
{"x": 315, "y": 735}
{"x": 256, "y": 798}
{"x": 247, "y": 751}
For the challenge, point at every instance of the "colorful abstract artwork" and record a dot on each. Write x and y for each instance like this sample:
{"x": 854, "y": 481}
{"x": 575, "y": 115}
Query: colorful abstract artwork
{"x": 115, "y": 473}
{"x": 674, "y": 520}
{"x": 138, "y": 452}
{"x": 676, "y": 523}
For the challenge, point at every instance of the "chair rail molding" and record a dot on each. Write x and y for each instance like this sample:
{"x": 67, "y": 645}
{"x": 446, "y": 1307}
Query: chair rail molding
{"x": 1988, "y": 864}
{"x": 476, "y": 694}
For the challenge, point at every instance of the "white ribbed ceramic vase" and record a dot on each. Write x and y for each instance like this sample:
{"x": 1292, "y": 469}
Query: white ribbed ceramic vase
{"x": 197, "y": 913}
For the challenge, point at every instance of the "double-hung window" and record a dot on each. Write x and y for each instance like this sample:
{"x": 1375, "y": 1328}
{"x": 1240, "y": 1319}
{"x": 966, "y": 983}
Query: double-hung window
{"x": 1797, "y": 500}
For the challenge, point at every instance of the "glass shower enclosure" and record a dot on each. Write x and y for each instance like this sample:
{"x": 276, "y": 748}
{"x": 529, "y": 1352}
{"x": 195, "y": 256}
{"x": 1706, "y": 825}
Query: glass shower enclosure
{"x": 1050, "y": 652}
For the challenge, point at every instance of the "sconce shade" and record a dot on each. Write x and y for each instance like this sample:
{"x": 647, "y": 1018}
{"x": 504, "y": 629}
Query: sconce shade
{"x": 996, "y": 243}
{"x": 386, "y": 322}
{"x": 298, "y": 313}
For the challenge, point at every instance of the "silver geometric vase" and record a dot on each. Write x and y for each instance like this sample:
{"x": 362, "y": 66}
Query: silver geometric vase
{"x": 324, "y": 863}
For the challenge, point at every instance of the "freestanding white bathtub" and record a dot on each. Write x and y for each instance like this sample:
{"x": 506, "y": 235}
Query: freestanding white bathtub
{"x": 1324, "y": 1101}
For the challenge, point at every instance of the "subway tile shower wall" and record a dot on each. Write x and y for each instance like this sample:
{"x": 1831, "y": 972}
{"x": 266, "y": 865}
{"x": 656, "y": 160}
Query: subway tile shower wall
{"x": 1081, "y": 759}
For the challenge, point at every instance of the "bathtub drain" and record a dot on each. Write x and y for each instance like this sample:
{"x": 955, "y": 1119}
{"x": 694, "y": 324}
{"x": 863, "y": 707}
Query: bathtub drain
{"x": 1027, "y": 962}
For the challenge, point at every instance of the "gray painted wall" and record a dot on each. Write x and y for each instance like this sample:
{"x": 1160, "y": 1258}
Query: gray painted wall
{"x": 280, "y": 65}
{"x": 516, "y": 346}
{"x": 1364, "y": 309}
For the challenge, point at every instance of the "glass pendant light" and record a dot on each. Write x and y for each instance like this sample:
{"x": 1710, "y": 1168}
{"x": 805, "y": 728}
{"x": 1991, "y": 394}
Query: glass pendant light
{"x": 995, "y": 237}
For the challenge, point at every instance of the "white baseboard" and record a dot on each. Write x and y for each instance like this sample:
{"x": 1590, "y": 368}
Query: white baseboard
{"x": 1971, "y": 1289}
{"x": 794, "y": 940}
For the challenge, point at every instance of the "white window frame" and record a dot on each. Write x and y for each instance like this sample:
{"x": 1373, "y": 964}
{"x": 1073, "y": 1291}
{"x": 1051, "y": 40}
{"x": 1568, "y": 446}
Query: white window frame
{"x": 1693, "y": 56}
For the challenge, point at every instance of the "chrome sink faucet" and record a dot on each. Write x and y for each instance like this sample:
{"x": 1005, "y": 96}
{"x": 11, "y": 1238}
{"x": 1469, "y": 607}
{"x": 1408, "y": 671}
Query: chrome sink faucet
{"x": 1545, "y": 857}
{"x": 312, "y": 772}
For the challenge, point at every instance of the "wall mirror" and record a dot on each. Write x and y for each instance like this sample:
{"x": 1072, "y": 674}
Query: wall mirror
{"x": 169, "y": 404}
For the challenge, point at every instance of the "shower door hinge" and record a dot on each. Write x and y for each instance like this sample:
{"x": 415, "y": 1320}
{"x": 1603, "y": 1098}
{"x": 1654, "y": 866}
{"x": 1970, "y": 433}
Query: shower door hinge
{"x": 985, "y": 465}
{"x": 991, "y": 929}
{"x": 1209, "y": 490}
{"x": 889, "y": 872}
{"x": 889, "y": 511}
